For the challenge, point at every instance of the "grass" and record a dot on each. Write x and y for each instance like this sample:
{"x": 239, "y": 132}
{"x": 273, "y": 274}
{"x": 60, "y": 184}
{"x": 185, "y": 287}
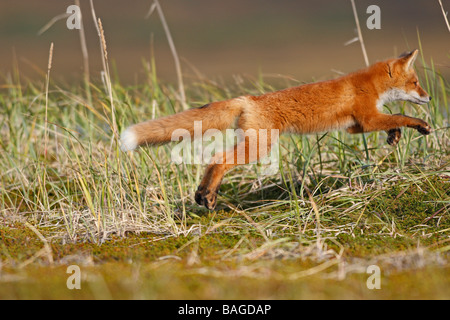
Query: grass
{"x": 336, "y": 205}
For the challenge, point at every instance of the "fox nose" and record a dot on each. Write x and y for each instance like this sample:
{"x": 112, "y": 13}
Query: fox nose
{"x": 430, "y": 97}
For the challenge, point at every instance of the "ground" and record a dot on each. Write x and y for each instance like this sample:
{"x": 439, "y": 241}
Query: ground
{"x": 339, "y": 213}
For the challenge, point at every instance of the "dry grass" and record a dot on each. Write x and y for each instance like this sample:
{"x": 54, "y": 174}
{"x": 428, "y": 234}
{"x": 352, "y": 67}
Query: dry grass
{"x": 62, "y": 172}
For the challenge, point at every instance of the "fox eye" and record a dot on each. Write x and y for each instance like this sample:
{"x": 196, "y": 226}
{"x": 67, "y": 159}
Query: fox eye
{"x": 416, "y": 83}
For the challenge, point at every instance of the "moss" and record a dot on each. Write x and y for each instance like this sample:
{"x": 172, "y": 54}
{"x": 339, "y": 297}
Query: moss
{"x": 415, "y": 204}
{"x": 143, "y": 264}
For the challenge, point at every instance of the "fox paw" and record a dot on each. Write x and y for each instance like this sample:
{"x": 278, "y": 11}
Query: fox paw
{"x": 206, "y": 197}
{"x": 424, "y": 129}
{"x": 394, "y": 136}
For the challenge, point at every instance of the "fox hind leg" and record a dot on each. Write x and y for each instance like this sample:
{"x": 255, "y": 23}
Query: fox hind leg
{"x": 242, "y": 153}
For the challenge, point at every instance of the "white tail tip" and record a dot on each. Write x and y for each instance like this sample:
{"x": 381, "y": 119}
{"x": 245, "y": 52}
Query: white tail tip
{"x": 128, "y": 140}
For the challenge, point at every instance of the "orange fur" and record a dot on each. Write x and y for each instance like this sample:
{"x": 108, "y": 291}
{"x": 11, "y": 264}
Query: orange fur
{"x": 351, "y": 102}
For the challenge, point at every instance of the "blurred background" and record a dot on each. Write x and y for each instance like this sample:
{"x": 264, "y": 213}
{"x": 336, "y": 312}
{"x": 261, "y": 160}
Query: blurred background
{"x": 219, "y": 39}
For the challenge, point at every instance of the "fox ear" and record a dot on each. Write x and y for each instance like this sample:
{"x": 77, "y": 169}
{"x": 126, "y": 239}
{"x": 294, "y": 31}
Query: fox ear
{"x": 408, "y": 59}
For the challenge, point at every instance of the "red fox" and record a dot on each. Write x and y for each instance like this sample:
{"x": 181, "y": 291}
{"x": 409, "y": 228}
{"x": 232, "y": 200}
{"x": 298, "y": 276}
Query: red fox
{"x": 352, "y": 102}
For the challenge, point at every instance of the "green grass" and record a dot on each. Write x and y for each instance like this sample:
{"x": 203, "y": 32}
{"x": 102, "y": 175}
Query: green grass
{"x": 335, "y": 207}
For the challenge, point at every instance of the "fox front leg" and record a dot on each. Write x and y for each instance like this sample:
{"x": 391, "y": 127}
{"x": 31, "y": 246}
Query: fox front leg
{"x": 393, "y": 137}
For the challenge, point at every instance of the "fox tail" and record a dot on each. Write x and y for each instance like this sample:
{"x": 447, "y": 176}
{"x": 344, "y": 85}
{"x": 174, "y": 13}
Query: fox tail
{"x": 217, "y": 115}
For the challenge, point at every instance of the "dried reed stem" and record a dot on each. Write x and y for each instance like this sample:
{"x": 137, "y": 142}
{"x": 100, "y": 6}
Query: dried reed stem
{"x": 47, "y": 82}
{"x": 94, "y": 17}
{"x": 363, "y": 47}
{"x": 103, "y": 49}
{"x": 366, "y": 59}
{"x": 85, "y": 54}
{"x": 108, "y": 78}
{"x": 52, "y": 22}
{"x": 445, "y": 15}
{"x": 158, "y": 8}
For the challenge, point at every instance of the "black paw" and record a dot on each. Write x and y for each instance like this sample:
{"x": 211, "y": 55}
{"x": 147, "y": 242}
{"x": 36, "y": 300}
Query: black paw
{"x": 206, "y": 197}
{"x": 424, "y": 129}
{"x": 394, "y": 136}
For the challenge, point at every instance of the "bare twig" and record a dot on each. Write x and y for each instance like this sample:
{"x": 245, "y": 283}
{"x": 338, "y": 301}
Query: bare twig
{"x": 445, "y": 15}
{"x": 366, "y": 59}
{"x": 158, "y": 8}
{"x": 101, "y": 35}
{"x": 82, "y": 41}
{"x": 355, "y": 13}
{"x": 52, "y": 22}
{"x": 85, "y": 54}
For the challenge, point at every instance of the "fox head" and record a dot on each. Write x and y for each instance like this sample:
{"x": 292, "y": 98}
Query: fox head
{"x": 403, "y": 83}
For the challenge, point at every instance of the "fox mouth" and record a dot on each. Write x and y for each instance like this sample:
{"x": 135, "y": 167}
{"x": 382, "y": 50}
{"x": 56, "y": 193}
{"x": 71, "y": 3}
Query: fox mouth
{"x": 414, "y": 97}
{"x": 420, "y": 100}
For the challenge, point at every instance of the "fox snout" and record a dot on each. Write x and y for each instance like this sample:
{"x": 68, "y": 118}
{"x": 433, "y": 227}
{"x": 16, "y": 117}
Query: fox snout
{"x": 419, "y": 98}
{"x": 429, "y": 98}
{"x": 423, "y": 94}
{"x": 417, "y": 95}
{"x": 425, "y": 97}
